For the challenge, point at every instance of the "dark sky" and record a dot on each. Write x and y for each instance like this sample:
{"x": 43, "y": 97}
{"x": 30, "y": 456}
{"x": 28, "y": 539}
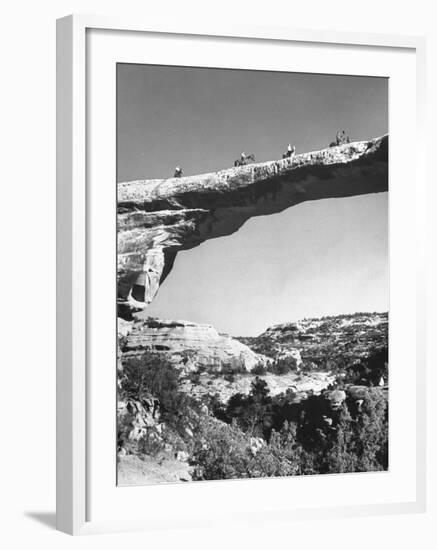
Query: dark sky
{"x": 313, "y": 259}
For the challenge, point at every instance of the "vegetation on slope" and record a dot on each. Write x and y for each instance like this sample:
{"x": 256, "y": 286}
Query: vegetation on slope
{"x": 344, "y": 429}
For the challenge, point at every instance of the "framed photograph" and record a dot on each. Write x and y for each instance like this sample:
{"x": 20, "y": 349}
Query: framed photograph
{"x": 240, "y": 275}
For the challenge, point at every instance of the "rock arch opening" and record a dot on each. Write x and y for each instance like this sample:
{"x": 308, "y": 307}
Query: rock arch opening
{"x": 159, "y": 218}
{"x": 318, "y": 258}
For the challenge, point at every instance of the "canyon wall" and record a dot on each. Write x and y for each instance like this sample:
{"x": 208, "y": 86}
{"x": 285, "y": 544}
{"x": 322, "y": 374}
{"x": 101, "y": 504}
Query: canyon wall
{"x": 190, "y": 346}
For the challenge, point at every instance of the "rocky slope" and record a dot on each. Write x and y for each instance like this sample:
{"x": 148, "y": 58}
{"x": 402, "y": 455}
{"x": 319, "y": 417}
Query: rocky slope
{"x": 302, "y": 384}
{"x": 157, "y": 218}
{"x": 345, "y": 338}
{"x": 155, "y": 446}
{"x": 189, "y": 346}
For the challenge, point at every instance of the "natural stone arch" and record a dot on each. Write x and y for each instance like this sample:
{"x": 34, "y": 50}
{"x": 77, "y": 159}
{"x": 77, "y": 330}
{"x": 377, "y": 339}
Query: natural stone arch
{"x": 157, "y": 218}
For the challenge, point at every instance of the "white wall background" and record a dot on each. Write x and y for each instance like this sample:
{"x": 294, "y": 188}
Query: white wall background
{"x": 27, "y": 232}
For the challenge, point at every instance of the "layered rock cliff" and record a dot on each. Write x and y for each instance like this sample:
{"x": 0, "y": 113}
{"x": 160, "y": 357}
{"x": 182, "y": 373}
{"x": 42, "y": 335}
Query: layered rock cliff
{"x": 157, "y": 218}
{"x": 190, "y": 346}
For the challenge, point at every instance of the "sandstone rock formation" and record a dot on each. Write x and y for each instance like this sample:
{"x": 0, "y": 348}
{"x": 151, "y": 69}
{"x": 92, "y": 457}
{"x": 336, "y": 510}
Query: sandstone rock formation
{"x": 136, "y": 421}
{"x": 302, "y": 385}
{"x": 350, "y": 337}
{"x": 157, "y": 218}
{"x": 190, "y": 345}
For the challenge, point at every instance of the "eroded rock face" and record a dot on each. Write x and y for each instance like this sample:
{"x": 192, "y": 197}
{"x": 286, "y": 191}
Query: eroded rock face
{"x": 335, "y": 398}
{"x": 157, "y": 218}
{"x": 350, "y": 337}
{"x": 190, "y": 346}
{"x": 137, "y": 421}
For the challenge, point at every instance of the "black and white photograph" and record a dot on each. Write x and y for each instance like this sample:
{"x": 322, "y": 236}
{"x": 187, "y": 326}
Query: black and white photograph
{"x": 252, "y": 274}
{"x": 228, "y": 211}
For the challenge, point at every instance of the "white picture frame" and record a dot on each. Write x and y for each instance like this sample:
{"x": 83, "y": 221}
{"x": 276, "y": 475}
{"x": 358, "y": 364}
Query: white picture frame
{"x": 73, "y": 376}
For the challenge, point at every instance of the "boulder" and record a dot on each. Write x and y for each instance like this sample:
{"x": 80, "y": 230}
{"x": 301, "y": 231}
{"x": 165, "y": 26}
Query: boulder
{"x": 335, "y": 398}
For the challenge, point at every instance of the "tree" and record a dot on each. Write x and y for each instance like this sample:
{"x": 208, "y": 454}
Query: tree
{"x": 151, "y": 377}
{"x": 220, "y": 451}
{"x": 370, "y": 370}
{"x": 251, "y": 412}
{"x": 259, "y": 369}
{"x": 283, "y": 365}
{"x": 360, "y": 443}
{"x": 259, "y": 390}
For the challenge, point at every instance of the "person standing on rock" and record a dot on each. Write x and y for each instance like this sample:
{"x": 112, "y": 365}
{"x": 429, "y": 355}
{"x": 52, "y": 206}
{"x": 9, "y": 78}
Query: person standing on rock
{"x": 342, "y": 138}
{"x": 178, "y": 172}
{"x": 290, "y": 151}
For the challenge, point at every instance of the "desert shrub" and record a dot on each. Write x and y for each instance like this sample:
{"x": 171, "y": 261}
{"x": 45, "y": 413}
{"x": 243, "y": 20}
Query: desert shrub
{"x": 307, "y": 366}
{"x": 370, "y": 370}
{"x": 313, "y": 437}
{"x": 281, "y": 457}
{"x": 175, "y": 440}
{"x": 259, "y": 369}
{"x": 370, "y": 429}
{"x": 213, "y": 402}
{"x": 151, "y": 444}
{"x": 194, "y": 377}
{"x": 356, "y": 443}
{"x": 153, "y": 377}
{"x": 261, "y": 344}
{"x": 220, "y": 451}
{"x": 236, "y": 365}
{"x": 283, "y": 365}
{"x": 302, "y": 444}
{"x": 251, "y": 412}
{"x": 259, "y": 390}
{"x": 149, "y": 374}
{"x": 224, "y": 451}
